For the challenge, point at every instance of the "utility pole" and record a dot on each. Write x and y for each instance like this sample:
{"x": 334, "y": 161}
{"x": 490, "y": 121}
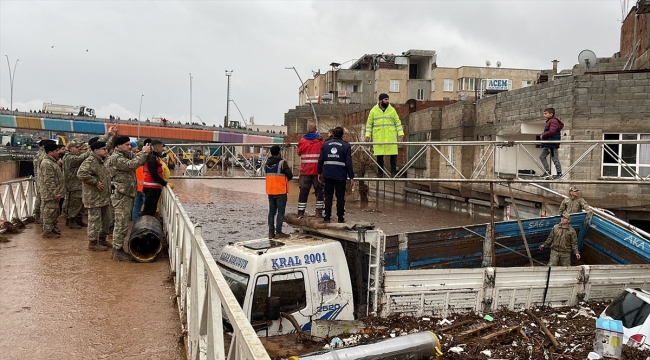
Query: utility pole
{"x": 139, "y": 113}
{"x": 304, "y": 88}
{"x": 227, "y": 121}
{"x": 12, "y": 76}
{"x": 190, "y": 97}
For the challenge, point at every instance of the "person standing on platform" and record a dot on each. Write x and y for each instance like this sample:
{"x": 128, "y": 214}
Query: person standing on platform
{"x": 384, "y": 125}
{"x": 309, "y": 150}
{"x": 334, "y": 167}
{"x": 278, "y": 175}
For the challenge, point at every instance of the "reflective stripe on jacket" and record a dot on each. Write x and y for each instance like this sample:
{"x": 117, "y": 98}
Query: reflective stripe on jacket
{"x": 276, "y": 181}
{"x": 149, "y": 182}
{"x": 309, "y": 150}
{"x": 139, "y": 175}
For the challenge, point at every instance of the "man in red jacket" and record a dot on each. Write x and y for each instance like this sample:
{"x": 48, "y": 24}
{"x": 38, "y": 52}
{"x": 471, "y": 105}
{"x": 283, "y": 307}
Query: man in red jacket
{"x": 309, "y": 149}
{"x": 552, "y": 131}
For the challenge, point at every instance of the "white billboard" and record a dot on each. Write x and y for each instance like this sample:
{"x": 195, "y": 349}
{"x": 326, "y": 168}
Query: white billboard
{"x": 498, "y": 85}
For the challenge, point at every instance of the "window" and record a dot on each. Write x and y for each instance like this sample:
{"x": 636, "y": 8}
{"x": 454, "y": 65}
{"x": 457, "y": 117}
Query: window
{"x": 237, "y": 282}
{"x": 420, "y": 94}
{"x": 260, "y": 294}
{"x": 394, "y": 86}
{"x": 629, "y": 309}
{"x": 623, "y": 160}
{"x": 421, "y": 162}
{"x": 449, "y": 85}
{"x": 289, "y": 288}
{"x": 451, "y": 154}
{"x": 355, "y": 88}
{"x": 433, "y": 85}
{"x": 526, "y": 83}
{"x": 467, "y": 84}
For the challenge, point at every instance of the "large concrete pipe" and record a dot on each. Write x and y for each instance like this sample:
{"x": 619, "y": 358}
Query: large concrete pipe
{"x": 422, "y": 345}
{"x": 146, "y": 239}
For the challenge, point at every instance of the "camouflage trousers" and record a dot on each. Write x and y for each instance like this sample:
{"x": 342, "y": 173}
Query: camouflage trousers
{"x": 37, "y": 202}
{"x": 98, "y": 222}
{"x": 122, "y": 207}
{"x": 559, "y": 258}
{"x": 50, "y": 215}
{"x": 72, "y": 205}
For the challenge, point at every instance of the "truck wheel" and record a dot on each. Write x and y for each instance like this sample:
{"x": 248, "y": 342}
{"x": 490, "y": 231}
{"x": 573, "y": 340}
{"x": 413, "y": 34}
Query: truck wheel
{"x": 210, "y": 164}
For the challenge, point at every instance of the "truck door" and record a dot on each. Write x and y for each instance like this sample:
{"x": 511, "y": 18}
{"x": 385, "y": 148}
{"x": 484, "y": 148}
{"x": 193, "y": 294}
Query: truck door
{"x": 288, "y": 291}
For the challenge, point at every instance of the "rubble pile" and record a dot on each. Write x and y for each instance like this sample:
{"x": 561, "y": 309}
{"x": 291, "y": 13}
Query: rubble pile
{"x": 503, "y": 334}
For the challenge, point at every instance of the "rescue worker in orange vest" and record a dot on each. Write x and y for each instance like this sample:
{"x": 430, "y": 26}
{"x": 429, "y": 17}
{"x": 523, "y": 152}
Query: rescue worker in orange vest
{"x": 153, "y": 180}
{"x": 139, "y": 197}
{"x": 278, "y": 175}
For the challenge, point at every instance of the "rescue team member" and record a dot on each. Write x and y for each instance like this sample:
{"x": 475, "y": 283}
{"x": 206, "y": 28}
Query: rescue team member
{"x": 563, "y": 241}
{"x": 52, "y": 189}
{"x": 334, "y": 167}
{"x": 153, "y": 179}
{"x": 95, "y": 194}
{"x": 138, "y": 202}
{"x": 278, "y": 175}
{"x": 384, "y": 125}
{"x": 573, "y": 204}
{"x": 123, "y": 163}
{"x": 73, "y": 205}
{"x": 37, "y": 163}
{"x": 309, "y": 149}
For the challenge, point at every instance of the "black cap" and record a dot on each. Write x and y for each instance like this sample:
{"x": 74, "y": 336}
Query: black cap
{"x": 383, "y": 96}
{"x": 97, "y": 145}
{"x": 50, "y": 146}
{"x": 45, "y": 141}
{"x": 122, "y": 140}
{"x": 275, "y": 150}
{"x": 92, "y": 140}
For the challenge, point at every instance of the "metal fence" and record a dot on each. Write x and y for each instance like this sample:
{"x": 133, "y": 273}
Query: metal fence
{"x": 17, "y": 199}
{"x": 202, "y": 292}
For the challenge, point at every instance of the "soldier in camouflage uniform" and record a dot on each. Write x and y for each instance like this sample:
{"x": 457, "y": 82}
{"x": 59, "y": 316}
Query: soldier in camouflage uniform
{"x": 123, "y": 164}
{"x": 573, "y": 204}
{"x": 73, "y": 203}
{"x": 95, "y": 195}
{"x": 37, "y": 163}
{"x": 563, "y": 241}
{"x": 52, "y": 187}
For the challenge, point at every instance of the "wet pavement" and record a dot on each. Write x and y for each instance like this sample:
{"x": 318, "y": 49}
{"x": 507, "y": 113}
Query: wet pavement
{"x": 237, "y": 210}
{"x": 60, "y": 301}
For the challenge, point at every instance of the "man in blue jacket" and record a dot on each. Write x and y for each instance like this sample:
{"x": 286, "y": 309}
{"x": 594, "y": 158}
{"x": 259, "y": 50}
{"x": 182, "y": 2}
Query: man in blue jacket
{"x": 334, "y": 167}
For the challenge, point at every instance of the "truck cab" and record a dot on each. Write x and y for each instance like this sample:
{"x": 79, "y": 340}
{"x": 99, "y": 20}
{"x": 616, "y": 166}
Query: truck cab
{"x": 300, "y": 278}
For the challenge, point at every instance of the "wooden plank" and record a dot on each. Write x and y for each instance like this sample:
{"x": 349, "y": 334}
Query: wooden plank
{"x": 477, "y": 330}
{"x": 500, "y": 333}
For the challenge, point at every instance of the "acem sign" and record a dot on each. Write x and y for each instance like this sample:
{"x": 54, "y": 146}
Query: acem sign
{"x": 497, "y": 85}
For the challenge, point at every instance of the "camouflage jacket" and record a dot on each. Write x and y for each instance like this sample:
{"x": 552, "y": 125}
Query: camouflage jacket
{"x": 564, "y": 240}
{"x": 50, "y": 180}
{"x": 92, "y": 171}
{"x": 572, "y": 206}
{"x": 123, "y": 165}
{"x": 71, "y": 163}
{"x": 37, "y": 160}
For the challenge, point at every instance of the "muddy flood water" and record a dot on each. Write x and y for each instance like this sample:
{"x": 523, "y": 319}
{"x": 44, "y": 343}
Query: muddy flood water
{"x": 236, "y": 210}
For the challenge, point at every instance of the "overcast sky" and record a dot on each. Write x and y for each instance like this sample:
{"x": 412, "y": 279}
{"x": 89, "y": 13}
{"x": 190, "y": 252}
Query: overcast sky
{"x": 105, "y": 54}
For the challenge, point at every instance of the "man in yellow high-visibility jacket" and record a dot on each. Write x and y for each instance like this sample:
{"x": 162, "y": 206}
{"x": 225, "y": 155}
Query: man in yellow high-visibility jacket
{"x": 384, "y": 125}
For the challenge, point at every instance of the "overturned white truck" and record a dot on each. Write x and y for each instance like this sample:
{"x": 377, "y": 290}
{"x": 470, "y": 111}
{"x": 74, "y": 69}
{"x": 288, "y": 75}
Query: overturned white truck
{"x": 347, "y": 271}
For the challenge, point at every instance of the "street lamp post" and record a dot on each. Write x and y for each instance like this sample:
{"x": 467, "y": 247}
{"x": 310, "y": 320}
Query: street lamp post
{"x": 227, "y": 121}
{"x": 139, "y": 113}
{"x": 190, "y": 97}
{"x": 304, "y": 88}
{"x": 12, "y": 76}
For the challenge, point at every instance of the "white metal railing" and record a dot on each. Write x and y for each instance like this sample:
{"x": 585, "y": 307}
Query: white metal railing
{"x": 17, "y": 199}
{"x": 202, "y": 292}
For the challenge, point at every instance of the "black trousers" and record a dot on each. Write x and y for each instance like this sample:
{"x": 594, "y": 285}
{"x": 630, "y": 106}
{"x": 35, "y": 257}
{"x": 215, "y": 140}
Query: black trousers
{"x": 332, "y": 185}
{"x": 151, "y": 197}
{"x": 393, "y": 165}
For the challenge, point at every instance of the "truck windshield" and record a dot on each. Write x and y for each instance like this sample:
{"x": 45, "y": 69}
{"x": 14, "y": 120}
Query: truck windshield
{"x": 237, "y": 281}
{"x": 629, "y": 309}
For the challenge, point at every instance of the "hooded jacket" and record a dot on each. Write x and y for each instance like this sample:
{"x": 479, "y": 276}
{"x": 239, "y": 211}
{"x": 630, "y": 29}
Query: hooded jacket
{"x": 309, "y": 149}
{"x": 552, "y": 131}
{"x": 278, "y": 175}
{"x": 384, "y": 126}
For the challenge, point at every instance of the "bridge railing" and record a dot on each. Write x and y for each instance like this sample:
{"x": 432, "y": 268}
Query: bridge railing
{"x": 17, "y": 199}
{"x": 202, "y": 292}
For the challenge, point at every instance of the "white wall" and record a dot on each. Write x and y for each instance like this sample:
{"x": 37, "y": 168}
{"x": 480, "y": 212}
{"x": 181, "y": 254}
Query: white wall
{"x": 511, "y": 159}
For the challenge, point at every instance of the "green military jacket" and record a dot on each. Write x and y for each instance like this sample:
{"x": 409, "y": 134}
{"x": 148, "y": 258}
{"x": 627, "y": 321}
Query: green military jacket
{"x": 123, "y": 165}
{"x": 564, "y": 240}
{"x": 92, "y": 171}
{"x": 50, "y": 179}
{"x": 571, "y": 206}
{"x": 37, "y": 160}
{"x": 71, "y": 164}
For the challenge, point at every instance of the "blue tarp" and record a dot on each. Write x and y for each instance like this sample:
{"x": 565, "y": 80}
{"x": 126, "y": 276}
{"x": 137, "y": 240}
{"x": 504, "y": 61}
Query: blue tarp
{"x": 57, "y": 125}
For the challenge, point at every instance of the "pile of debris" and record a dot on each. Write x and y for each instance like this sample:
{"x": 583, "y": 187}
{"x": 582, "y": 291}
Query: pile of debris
{"x": 540, "y": 333}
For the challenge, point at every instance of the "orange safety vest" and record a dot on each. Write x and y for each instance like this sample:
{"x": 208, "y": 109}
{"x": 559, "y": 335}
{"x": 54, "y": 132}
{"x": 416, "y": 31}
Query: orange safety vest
{"x": 276, "y": 181}
{"x": 149, "y": 182}
{"x": 139, "y": 175}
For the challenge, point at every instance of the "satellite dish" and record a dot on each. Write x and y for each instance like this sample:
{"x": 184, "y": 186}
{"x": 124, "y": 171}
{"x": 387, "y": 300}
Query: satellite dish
{"x": 487, "y": 63}
{"x": 498, "y": 64}
{"x": 587, "y": 58}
